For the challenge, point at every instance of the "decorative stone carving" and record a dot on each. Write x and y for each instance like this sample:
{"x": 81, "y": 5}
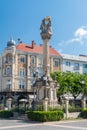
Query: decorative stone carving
{"x": 46, "y": 28}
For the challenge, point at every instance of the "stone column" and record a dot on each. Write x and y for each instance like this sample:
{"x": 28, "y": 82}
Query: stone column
{"x": 9, "y": 104}
{"x": 51, "y": 61}
{"x": 30, "y": 101}
{"x": 83, "y": 103}
{"x": 66, "y": 107}
{"x": 46, "y": 33}
{"x": 46, "y": 62}
{"x": 45, "y": 104}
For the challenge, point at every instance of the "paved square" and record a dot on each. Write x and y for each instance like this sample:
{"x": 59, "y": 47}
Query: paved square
{"x": 26, "y": 125}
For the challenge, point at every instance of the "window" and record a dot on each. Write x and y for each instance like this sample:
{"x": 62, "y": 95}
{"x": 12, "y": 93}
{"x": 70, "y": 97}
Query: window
{"x": 32, "y": 60}
{"x": 84, "y": 65}
{"x": 76, "y": 66}
{"x": 8, "y": 84}
{"x": 8, "y": 59}
{"x": 21, "y": 84}
{"x": 67, "y": 63}
{"x": 55, "y": 63}
{"x": 22, "y": 72}
{"x": 8, "y": 70}
{"x": 22, "y": 59}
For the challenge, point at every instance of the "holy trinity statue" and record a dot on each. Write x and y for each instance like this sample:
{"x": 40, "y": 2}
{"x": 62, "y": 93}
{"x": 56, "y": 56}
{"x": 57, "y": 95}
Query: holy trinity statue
{"x": 46, "y": 26}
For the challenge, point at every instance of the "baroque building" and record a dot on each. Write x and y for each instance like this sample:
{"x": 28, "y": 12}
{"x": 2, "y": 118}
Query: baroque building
{"x": 18, "y": 65}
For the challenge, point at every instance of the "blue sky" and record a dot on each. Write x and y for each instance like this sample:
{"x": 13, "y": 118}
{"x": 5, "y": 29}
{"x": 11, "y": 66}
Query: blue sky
{"x": 22, "y": 19}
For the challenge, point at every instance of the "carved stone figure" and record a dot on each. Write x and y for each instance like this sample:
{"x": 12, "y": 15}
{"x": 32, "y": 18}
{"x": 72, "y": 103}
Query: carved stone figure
{"x": 46, "y": 26}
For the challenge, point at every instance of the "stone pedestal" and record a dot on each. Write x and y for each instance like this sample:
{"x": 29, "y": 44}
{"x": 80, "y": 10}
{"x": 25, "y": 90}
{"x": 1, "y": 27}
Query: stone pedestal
{"x": 83, "y": 103}
{"x": 66, "y": 107}
{"x": 30, "y": 105}
{"x": 9, "y": 104}
{"x": 45, "y": 104}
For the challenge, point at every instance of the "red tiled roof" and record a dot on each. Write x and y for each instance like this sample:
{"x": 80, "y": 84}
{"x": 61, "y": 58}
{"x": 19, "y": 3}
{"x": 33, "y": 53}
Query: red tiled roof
{"x": 35, "y": 49}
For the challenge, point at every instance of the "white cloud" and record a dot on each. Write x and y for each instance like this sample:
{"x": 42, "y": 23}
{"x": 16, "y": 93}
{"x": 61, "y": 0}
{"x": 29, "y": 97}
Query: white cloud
{"x": 81, "y": 32}
{"x": 80, "y": 37}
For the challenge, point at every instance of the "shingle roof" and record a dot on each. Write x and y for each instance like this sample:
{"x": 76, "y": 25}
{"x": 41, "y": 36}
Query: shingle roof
{"x": 35, "y": 48}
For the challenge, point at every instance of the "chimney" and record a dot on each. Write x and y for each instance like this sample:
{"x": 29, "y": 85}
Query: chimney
{"x": 33, "y": 44}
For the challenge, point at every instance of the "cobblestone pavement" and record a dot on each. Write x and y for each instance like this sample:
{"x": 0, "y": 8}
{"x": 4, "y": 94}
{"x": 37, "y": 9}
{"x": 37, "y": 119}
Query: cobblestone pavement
{"x": 26, "y": 125}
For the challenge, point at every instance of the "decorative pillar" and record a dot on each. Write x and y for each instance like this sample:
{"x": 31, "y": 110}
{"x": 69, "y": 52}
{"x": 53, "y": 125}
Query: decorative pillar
{"x": 30, "y": 101}
{"x": 9, "y": 104}
{"x": 83, "y": 103}
{"x": 46, "y": 33}
{"x": 45, "y": 104}
{"x": 66, "y": 107}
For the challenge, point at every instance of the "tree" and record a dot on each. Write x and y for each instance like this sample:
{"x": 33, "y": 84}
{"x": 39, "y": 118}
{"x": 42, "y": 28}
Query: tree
{"x": 70, "y": 82}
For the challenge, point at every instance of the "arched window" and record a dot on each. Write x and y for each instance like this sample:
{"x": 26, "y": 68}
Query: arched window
{"x": 8, "y": 70}
{"x": 32, "y": 59}
{"x": 8, "y": 58}
{"x": 22, "y": 59}
{"x": 22, "y": 72}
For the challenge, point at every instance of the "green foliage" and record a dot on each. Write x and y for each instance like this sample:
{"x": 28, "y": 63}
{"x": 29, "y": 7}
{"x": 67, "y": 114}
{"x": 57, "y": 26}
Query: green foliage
{"x": 74, "y": 109}
{"x": 70, "y": 82}
{"x": 5, "y": 114}
{"x": 1, "y": 107}
{"x": 15, "y": 109}
{"x": 39, "y": 108}
{"x": 83, "y": 114}
{"x": 43, "y": 116}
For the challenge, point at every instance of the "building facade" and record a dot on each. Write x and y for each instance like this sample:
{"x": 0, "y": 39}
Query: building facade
{"x": 20, "y": 62}
{"x": 18, "y": 66}
{"x": 76, "y": 64}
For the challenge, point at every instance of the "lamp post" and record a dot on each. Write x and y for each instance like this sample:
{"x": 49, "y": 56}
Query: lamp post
{"x": 83, "y": 99}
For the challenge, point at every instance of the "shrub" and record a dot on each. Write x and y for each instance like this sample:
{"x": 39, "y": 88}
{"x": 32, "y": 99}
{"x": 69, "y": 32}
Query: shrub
{"x": 15, "y": 109}
{"x": 83, "y": 114}
{"x": 45, "y": 116}
{"x": 5, "y": 114}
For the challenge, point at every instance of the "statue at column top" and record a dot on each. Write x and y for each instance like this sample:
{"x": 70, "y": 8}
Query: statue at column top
{"x": 46, "y": 26}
